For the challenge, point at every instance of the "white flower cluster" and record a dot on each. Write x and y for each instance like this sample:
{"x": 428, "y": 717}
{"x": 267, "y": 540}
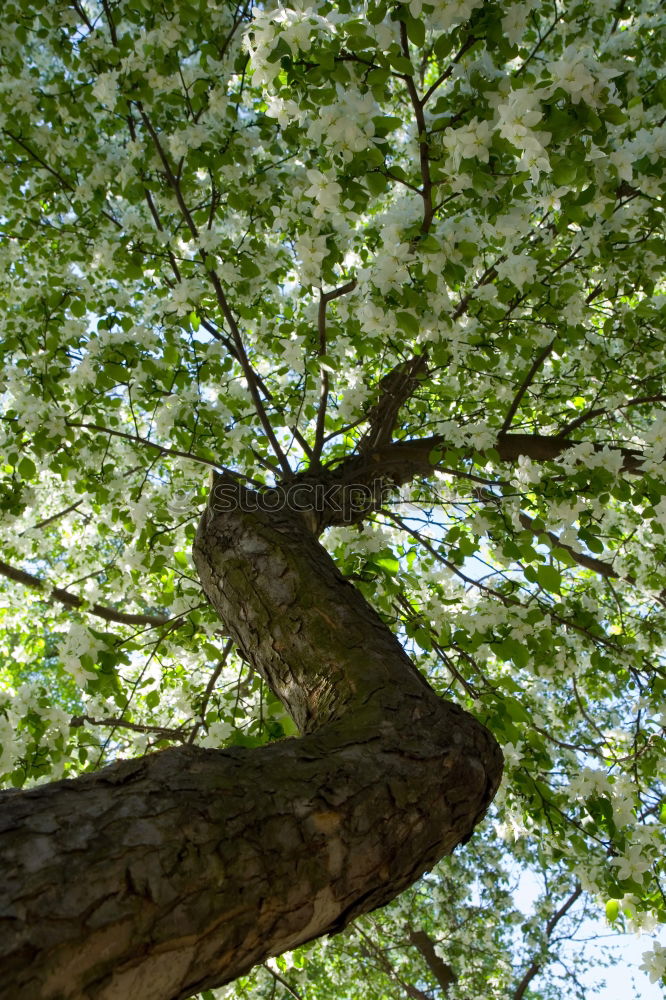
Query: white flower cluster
{"x": 390, "y": 267}
{"x": 76, "y": 643}
{"x": 515, "y": 20}
{"x": 581, "y": 75}
{"x": 654, "y": 962}
{"x": 325, "y": 191}
{"x": 190, "y": 137}
{"x": 346, "y": 125}
{"x": 217, "y": 733}
{"x": 517, "y": 116}
{"x": 469, "y": 142}
{"x": 354, "y": 396}
{"x": 633, "y": 863}
{"x": 105, "y": 89}
{"x": 519, "y": 268}
{"x": 184, "y": 296}
{"x": 10, "y": 744}
{"x": 311, "y": 250}
{"x": 447, "y": 13}
{"x": 295, "y": 25}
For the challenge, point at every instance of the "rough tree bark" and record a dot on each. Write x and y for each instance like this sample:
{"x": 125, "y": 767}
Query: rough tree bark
{"x": 179, "y": 871}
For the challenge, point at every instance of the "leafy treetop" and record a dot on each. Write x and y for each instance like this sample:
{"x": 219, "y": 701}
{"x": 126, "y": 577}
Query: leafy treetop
{"x": 302, "y": 239}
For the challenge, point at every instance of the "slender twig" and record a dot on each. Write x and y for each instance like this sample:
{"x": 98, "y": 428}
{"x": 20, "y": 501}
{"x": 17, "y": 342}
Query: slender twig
{"x": 261, "y": 385}
{"x": 229, "y": 317}
{"x": 72, "y": 601}
{"x": 324, "y": 299}
{"x": 46, "y": 166}
{"x": 136, "y": 439}
{"x": 536, "y": 965}
{"x": 541, "y": 40}
{"x": 163, "y": 731}
{"x": 52, "y": 518}
{"x": 278, "y": 978}
{"x": 424, "y": 153}
{"x": 453, "y": 670}
{"x": 534, "y": 367}
{"x": 506, "y": 599}
{"x": 467, "y": 44}
{"x": 599, "y": 566}
{"x": 22, "y": 143}
{"x": 412, "y": 991}
{"x": 598, "y": 411}
{"x": 214, "y": 677}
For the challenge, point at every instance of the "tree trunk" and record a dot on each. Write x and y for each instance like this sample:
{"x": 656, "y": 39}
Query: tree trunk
{"x": 179, "y": 871}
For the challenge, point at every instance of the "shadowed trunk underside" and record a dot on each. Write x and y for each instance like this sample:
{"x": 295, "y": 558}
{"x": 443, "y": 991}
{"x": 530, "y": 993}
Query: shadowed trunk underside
{"x": 179, "y": 871}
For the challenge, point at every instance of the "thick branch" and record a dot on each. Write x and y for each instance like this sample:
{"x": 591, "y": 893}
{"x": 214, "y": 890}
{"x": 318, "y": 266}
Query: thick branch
{"x": 604, "y": 569}
{"x": 163, "y": 731}
{"x": 440, "y": 969}
{"x": 394, "y": 391}
{"x": 178, "y": 872}
{"x": 400, "y": 462}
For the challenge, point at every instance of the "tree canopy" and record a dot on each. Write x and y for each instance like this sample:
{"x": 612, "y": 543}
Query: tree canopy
{"x": 406, "y": 256}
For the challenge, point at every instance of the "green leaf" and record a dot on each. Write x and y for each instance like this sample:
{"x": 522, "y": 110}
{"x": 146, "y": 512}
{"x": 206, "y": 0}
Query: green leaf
{"x": 388, "y": 563}
{"x": 516, "y": 710}
{"x": 152, "y": 699}
{"x": 511, "y": 649}
{"x": 376, "y": 182}
{"x": 378, "y": 77}
{"x": 386, "y": 123}
{"x": 564, "y": 172}
{"x": 549, "y": 578}
{"x": 27, "y": 468}
{"x": 402, "y": 65}
{"x": 467, "y": 250}
{"x": 415, "y": 30}
{"x": 444, "y": 44}
{"x": 590, "y": 540}
{"x": 423, "y": 638}
{"x": 376, "y": 12}
{"x": 613, "y": 114}
{"x": 408, "y": 322}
